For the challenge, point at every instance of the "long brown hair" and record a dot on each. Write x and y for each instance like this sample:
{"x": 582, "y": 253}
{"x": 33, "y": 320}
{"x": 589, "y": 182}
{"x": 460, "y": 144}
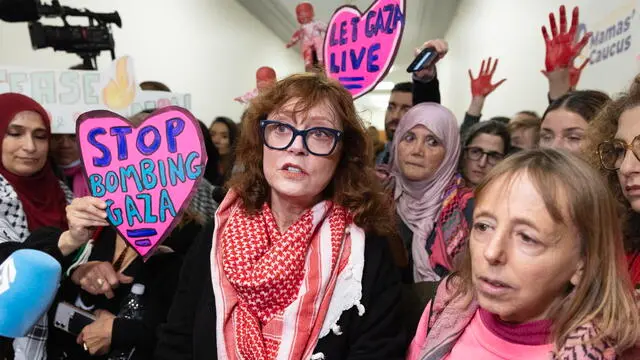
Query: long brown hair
{"x": 604, "y": 296}
{"x": 604, "y": 127}
{"x": 354, "y": 184}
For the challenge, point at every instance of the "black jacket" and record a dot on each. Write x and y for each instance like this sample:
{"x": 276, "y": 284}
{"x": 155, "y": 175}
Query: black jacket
{"x": 190, "y": 332}
{"x": 159, "y": 274}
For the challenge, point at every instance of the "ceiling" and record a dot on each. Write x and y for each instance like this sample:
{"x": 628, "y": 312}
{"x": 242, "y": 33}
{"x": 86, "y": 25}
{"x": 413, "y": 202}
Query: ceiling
{"x": 425, "y": 19}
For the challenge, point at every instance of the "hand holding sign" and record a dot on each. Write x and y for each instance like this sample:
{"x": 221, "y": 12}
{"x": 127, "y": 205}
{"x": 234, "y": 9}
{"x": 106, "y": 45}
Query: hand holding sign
{"x": 145, "y": 174}
{"x": 360, "y": 47}
{"x": 562, "y": 47}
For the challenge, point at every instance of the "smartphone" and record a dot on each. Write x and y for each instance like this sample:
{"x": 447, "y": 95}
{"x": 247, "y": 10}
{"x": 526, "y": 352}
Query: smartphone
{"x": 426, "y": 57}
{"x": 72, "y": 319}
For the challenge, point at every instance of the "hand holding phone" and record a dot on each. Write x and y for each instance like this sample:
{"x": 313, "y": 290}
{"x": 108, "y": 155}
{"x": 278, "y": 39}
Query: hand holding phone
{"x": 72, "y": 319}
{"x": 425, "y": 58}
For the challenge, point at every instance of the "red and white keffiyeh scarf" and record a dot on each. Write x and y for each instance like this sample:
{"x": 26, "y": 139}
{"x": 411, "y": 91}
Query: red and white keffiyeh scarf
{"x": 278, "y": 293}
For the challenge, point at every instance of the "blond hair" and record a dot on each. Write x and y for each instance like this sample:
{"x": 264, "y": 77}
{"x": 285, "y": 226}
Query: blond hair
{"x": 604, "y": 296}
{"x": 528, "y": 121}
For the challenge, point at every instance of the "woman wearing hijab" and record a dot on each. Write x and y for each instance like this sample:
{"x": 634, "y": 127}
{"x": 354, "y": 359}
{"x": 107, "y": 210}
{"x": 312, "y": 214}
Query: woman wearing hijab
{"x": 431, "y": 201}
{"x": 32, "y": 197}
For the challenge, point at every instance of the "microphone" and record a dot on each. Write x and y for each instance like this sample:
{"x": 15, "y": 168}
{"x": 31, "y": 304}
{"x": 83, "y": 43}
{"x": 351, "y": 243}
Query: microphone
{"x": 19, "y": 10}
{"x": 28, "y": 284}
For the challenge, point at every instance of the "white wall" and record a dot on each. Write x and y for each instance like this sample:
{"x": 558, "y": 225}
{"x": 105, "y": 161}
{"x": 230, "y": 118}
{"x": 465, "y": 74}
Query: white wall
{"x": 209, "y": 48}
{"x": 510, "y": 30}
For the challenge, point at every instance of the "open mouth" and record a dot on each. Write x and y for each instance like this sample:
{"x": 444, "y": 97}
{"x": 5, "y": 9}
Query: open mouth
{"x": 292, "y": 168}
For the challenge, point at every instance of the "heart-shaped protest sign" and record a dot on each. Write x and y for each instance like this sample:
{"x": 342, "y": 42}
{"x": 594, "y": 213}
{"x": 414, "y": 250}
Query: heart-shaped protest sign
{"x": 146, "y": 174}
{"x": 359, "y": 48}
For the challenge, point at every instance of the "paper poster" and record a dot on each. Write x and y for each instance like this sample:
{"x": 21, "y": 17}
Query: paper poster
{"x": 359, "y": 48}
{"x": 146, "y": 174}
{"x": 66, "y": 94}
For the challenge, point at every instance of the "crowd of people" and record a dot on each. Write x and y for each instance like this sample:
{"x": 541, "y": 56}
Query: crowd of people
{"x": 311, "y": 238}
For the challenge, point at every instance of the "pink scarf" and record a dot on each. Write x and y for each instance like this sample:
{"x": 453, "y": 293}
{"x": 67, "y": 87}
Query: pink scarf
{"x": 419, "y": 202}
{"x": 273, "y": 289}
{"x": 78, "y": 183}
{"x": 448, "y": 317}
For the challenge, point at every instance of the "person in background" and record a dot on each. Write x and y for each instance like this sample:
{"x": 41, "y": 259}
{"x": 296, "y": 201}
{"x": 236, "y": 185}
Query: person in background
{"x": 297, "y": 263}
{"x": 224, "y": 133}
{"x": 485, "y": 145}
{"x": 524, "y": 129}
{"x": 400, "y": 102}
{"x": 425, "y": 88}
{"x": 101, "y": 284}
{"x": 374, "y": 135}
{"x": 614, "y": 149}
{"x": 66, "y": 156}
{"x": 432, "y": 203}
{"x": 31, "y": 196}
{"x": 541, "y": 276}
{"x": 565, "y": 121}
{"x": 212, "y": 171}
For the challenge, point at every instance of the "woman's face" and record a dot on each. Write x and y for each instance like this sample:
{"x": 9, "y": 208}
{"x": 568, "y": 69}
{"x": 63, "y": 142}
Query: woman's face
{"x": 563, "y": 129}
{"x": 522, "y": 261}
{"x": 25, "y": 145}
{"x": 64, "y": 149}
{"x": 480, "y": 156}
{"x": 293, "y": 174}
{"x": 220, "y": 136}
{"x": 420, "y": 154}
{"x": 629, "y": 172}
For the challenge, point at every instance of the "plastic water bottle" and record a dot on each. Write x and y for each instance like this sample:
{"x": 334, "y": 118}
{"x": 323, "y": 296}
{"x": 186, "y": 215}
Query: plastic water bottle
{"x": 131, "y": 308}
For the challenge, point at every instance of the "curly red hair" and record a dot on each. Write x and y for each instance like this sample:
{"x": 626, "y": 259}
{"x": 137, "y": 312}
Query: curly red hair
{"x": 354, "y": 184}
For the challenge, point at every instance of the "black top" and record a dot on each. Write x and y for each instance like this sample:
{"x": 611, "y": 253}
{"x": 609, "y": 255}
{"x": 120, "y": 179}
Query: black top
{"x": 190, "y": 332}
{"x": 159, "y": 275}
{"x": 426, "y": 91}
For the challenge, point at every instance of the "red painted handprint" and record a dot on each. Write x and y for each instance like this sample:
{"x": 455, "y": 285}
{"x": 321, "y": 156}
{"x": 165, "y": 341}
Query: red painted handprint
{"x": 562, "y": 48}
{"x": 481, "y": 86}
{"x": 575, "y": 72}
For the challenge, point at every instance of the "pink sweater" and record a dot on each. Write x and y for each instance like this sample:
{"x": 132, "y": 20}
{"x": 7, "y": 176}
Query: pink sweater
{"x": 482, "y": 343}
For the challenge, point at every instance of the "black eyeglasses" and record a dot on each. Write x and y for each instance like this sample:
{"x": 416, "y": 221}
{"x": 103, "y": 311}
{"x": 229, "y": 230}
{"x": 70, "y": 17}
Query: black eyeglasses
{"x": 612, "y": 152}
{"x": 476, "y": 153}
{"x": 319, "y": 141}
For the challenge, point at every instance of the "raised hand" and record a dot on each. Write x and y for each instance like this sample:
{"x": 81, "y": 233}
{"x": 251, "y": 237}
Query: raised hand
{"x": 562, "y": 47}
{"x": 575, "y": 72}
{"x": 442, "y": 48}
{"x": 482, "y": 86}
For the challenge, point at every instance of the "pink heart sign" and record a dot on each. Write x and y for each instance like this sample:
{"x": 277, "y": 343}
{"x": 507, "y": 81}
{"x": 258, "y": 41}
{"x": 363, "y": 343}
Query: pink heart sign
{"x": 359, "y": 48}
{"x": 146, "y": 174}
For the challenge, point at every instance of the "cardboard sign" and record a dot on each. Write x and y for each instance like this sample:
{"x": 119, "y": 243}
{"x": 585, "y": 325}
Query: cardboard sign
{"x": 66, "y": 94}
{"x": 146, "y": 174}
{"x": 359, "y": 48}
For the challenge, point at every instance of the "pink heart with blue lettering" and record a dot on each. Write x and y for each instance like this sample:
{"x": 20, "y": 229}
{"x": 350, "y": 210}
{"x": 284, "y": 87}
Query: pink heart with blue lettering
{"x": 147, "y": 174}
{"x": 359, "y": 48}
